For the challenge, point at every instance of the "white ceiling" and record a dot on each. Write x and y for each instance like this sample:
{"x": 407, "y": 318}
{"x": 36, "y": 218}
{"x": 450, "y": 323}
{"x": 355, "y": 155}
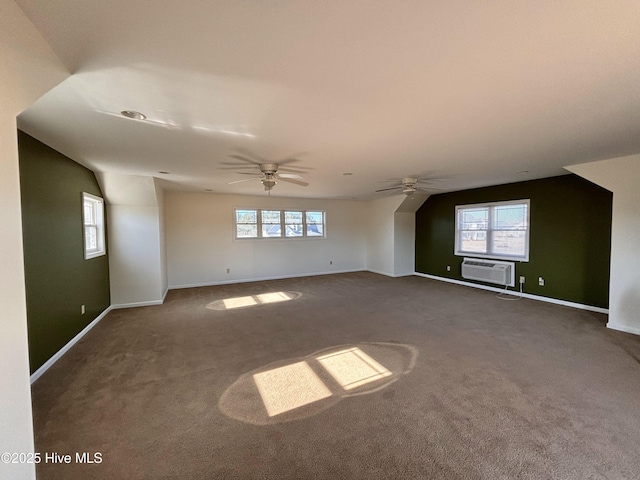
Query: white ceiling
{"x": 473, "y": 93}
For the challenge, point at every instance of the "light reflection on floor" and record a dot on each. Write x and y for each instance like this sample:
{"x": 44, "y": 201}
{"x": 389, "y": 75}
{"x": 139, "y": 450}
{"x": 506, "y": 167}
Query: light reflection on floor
{"x": 299, "y": 388}
{"x": 352, "y": 368}
{"x": 253, "y": 300}
{"x": 238, "y": 302}
{"x": 292, "y": 386}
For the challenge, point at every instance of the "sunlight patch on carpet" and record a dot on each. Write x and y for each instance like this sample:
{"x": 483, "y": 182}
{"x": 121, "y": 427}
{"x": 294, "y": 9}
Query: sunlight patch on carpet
{"x": 253, "y": 300}
{"x": 352, "y": 368}
{"x": 238, "y": 302}
{"x": 296, "y": 388}
{"x": 289, "y": 387}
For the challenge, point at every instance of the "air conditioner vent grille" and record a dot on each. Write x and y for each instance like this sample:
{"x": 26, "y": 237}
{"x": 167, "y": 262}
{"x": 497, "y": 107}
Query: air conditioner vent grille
{"x": 501, "y": 273}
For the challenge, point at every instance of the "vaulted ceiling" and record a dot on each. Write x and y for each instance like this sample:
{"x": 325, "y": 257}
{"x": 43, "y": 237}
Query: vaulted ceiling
{"x": 467, "y": 93}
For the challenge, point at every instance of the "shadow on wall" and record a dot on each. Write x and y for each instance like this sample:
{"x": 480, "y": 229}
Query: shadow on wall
{"x": 298, "y": 388}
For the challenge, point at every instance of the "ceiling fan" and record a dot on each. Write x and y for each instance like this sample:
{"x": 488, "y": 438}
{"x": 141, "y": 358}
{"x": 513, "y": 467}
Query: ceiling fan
{"x": 411, "y": 185}
{"x": 269, "y": 171}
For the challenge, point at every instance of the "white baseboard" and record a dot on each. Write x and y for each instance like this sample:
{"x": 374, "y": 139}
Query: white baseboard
{"x": 46, "y": 365}
{"x": 623, "y": 328}
{"x": 515, "y": 292}
{"x": 138, "y": 304}
{"x": 392, "y": 275}
{"x": 260, "y": 279}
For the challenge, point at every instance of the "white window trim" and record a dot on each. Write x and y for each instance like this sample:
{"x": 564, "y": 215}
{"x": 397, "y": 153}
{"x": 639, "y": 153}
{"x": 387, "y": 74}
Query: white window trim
{"x": 99, "y": 213}
{"x": 489, "y": 231}
{"x": 282, "y": 236}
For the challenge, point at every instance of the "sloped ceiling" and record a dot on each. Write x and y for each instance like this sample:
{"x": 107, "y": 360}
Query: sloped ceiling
{"x": 468, "y": 93}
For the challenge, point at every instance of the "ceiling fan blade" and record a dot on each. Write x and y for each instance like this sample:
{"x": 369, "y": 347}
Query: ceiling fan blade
{"x": 291, "y": 158}
{"x": 287, "y": 161}
{"x": 289, "y": 175}
{"x": 391, "y": 188}
{"x": 294, "y": 169}
{"x": 248, "y": 173}
{"x": 292, "y": 180}
{"x": 245, "y": 159}
{"x": 248, "y": 153}
{"x": 243, "y": 180}
{"x": 237, "y": 164}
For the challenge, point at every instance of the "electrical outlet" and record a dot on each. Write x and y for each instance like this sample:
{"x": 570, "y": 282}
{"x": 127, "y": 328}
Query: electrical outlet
{"x": 541, "y": 281}
{"x": 448, "y": 268}
{"x": 228, "y": 270}
{"x": 521, "y": 279}
{"x": 82, "y": 309}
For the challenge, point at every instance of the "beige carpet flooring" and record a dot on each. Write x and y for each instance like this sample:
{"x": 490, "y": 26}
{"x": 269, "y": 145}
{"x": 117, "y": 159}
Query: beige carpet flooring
{"x": 350, "y": 376}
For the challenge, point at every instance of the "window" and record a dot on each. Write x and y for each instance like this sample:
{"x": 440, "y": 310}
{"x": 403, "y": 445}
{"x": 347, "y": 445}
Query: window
{"x": 93, "y": 220}
{"x": 271, "y": 224}
{"x": 258, "y": 223}
{"x": 493, "y": 230}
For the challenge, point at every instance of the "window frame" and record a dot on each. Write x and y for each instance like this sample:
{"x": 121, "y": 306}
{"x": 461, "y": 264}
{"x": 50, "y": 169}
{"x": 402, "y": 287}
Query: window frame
{"x": 283, "y": 224}
{"x": 97, "y": 205}
{"x": 491, "y": 229}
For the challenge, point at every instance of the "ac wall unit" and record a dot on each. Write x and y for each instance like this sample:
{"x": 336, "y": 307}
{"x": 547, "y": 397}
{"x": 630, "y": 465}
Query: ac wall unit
{"x": 491, "y": 271}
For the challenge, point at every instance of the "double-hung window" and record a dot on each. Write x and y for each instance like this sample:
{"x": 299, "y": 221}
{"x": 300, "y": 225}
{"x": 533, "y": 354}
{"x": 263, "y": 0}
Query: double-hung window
{"x": 493, "y": 230}
{"x": 93, "y": 220}
{"x": 259, "y": 223}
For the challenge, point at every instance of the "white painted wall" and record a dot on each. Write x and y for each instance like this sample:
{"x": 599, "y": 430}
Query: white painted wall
{"x": 135, "y": 222}
{"x": 29, "y": 69}
{"x": 201, "y": 244}
{"x": 404, "y": 241}
{"x": 391, "y": 234}
{"x": 622, "y": 177}
{"x": 380, "y": 234}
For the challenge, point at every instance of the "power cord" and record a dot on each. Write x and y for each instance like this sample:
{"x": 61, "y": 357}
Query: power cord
{"x": 503, "y": 293}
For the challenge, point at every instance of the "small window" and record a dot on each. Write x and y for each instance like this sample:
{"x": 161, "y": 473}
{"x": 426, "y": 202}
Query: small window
{"x": 271, "y": 224}
{"x": 294, "y": 226}
{"x": 246, "y": 224}
{"x": 315, "y": 224}
{"x": 493, "y": 230}
{"x": 93, "y": 220}
{"x": 258, "y": 223}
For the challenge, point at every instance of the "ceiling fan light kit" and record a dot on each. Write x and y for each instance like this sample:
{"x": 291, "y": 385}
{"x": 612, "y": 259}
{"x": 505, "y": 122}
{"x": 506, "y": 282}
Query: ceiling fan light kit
{"x": 269, "y": 175}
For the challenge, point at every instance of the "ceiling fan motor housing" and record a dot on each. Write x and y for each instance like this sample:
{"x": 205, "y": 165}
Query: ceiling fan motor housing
{"x": 268, "y": 168}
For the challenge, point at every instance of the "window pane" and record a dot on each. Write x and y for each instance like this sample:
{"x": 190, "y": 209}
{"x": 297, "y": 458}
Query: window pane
{"x": 314, "y": 217}
{"x": 293, "y": 217}
{"x": 293, "y": 230}
{"x": 89, "y": 213}
{"x": 473, "y": 241}
{"x": 314, "y": 230}
{"x": 474, "y": 219}
{"x": 246, "y": 231}
{"x": 510, "y": 217}
{"x": 270, "y": 231}
{"x": 509, "y": 242}
{"x": 246, "y": 216}
{"x": 90, "y": 238}
{"x": 271, "y": 216}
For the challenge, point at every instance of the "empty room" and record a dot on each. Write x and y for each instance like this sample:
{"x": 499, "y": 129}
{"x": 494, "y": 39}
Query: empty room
{"x": 294, "y": 239}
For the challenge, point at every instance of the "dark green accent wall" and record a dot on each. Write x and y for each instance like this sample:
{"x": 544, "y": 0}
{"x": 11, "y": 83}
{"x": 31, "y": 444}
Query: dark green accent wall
{"x": 58, "y": 278}
{"x": 570, "y": 236}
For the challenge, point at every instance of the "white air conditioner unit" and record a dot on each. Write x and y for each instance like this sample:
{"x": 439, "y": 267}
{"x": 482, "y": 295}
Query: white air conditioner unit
{"x": 491, "y": 271}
